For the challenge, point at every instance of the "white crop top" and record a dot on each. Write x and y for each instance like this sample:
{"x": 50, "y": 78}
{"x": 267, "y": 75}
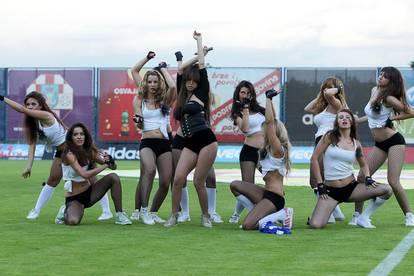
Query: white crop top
{"x": 270, "y": 163}
{"x": 255, "y": 123}
{"x": 70, "y": 175}
{"x": 338, "y": 162}
{"x": 377, "y": 119}
{"x": 324, "y": 121}
{"x": 154, "y": 119}
{"x": 55, "y": 134}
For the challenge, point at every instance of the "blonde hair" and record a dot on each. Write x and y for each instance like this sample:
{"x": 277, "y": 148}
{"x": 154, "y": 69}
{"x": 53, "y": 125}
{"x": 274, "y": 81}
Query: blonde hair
{"x": 321, "y": 102}
{"x": 282, "y": 135}
{"x": 162, "y": 88}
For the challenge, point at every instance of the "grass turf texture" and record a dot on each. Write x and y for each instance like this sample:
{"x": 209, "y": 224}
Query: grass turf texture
{"x": 102, "y": 248}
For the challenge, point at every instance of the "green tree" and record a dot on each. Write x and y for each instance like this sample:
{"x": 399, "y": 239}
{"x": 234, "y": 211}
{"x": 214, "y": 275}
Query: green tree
{"x": 412, "y": 64}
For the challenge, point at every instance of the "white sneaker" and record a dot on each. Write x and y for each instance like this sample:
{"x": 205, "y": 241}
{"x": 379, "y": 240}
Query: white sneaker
{"x": 409, "y": 219}
{"x": 288, "y": 220}
{"x": 60, "y": 217}
{"x": 364, "y": 222}
{"x": 206, "y": 221}
{"x": 234, "y": 219}
{"x": 122, "y": 218}
{"x": 183, "y": 217}
{"x": 337, "y": 213}
{"x": 156, "y": 218}
{"x": 135, "y": 215}
{"x": 215, "y": 218}
{"x": 146, "y": 216}
{"x": 171, "y": 221}
{"x": 354, "y": 218}
{"x": 33, "y": 214}
{"x": 331, "y": 219}
{"x": 105, "y": 216}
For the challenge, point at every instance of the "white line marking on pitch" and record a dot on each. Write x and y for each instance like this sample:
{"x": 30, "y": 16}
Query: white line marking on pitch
{"x": 395, "y": 257}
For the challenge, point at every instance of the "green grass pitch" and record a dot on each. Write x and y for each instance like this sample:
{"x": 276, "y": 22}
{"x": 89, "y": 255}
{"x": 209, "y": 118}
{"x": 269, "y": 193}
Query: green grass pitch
{"x": 102, "y": 248}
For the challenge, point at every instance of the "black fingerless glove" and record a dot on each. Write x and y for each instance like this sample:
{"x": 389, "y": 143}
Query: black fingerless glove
{"x": 162, "y": 64}
{"x": 1, "y": 98}
{"x": 246, "y": 103}
{"x": 178, "y": 56}
{"x": 139, "y": 120}
{"x": 271, "y": 93}
{"x": 369, "y": 181}
{"x": 150, "y": 55}
{"x": 110, "y": 161}
{"x": 237, "y": 105}
{"x": 321, "y": 188}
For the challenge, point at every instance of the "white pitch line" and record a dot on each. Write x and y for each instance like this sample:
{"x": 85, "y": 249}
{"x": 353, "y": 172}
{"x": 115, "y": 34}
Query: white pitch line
{"x": 395, "y": 257}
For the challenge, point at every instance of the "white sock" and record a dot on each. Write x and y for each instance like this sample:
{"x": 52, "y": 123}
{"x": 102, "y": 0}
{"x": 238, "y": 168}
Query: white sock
{"x": 105, "y": 204}
{"x": 211, "y": 196}
{"x": 238, "y": 209}
{"x": 185, "y": 208}
{"x": 278, "y": 216}
{"x": 44, "y": 196}
{"x": 245, "y": 202}
{"x": 372, "y": 206}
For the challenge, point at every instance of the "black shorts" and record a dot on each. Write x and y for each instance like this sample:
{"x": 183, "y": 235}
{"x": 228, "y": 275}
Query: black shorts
{"x": 396, "y": 139}
{"x": 199, "y": 140}
{"x": 157, "y": 145}
{"x": 342, "y": 194}
{"x": 277, "y": 200}
{"x": 83, "y": 198}
{"x": 249, "y": 153}
{"x": 178, "y": 142}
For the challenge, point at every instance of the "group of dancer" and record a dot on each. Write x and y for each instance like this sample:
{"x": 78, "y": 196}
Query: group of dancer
{"x": 266, "y": 148}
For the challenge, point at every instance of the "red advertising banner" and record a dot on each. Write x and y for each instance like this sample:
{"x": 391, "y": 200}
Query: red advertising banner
{"x": 117, "y": 90}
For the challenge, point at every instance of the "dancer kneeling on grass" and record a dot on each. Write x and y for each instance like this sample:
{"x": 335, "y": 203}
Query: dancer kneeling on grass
{"x": 340, "y": 148}
{"x": 80, "y": 153}
{"x": 40, "y": 122}
{"x": 267, "y": 204}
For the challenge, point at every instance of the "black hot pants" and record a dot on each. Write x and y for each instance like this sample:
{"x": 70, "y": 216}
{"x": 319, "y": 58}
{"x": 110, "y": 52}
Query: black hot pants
{"x": 276, "y": 199}
{"x": 199, "y": 140}
{"x": 396, "y": 139}
{"x": 178, "y": 142}
{"x": 342, "y": 194}
{"x": 157, "y": 145}
{"x": 83, "y": 198}
{"x": 249, "y": 153}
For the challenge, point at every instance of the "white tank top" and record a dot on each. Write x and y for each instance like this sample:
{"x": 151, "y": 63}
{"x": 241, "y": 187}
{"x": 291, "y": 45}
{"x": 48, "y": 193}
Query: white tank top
{"x": 255, "y": 123}
{"x": 338, "y": 162}
{"x": 70, "y": 175}
{"x": 55, "y": 134}
{"x": 154, "y": 119}
{"x": 377, "y": 119}
{"x": 270, "y": 163}
{"x": 324, "y": 121}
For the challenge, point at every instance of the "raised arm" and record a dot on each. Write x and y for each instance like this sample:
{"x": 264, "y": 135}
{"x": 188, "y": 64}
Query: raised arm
{"x": 200, "y": 53}
{"x": 172, "y": 89}
{"x": 270, "y": 116}
{"x": 137, "y": 67}
{"x": 191, "y": 61}
{"x": 329, "y": 95}
{"x": 37, "y": 114}
{"x": 311, "y": 107}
